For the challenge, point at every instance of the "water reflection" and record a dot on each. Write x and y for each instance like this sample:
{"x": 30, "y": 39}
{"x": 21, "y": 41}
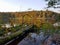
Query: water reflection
{"x": 33, "y": 39}
{"x": 37, "y": 39}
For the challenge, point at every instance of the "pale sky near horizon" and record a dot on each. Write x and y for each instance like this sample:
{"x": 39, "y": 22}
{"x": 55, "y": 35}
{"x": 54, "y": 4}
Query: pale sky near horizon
{"x": 22, "y": 5}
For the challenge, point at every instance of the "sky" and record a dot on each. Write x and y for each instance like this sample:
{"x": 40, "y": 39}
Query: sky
{"x": 22, "y": 5}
